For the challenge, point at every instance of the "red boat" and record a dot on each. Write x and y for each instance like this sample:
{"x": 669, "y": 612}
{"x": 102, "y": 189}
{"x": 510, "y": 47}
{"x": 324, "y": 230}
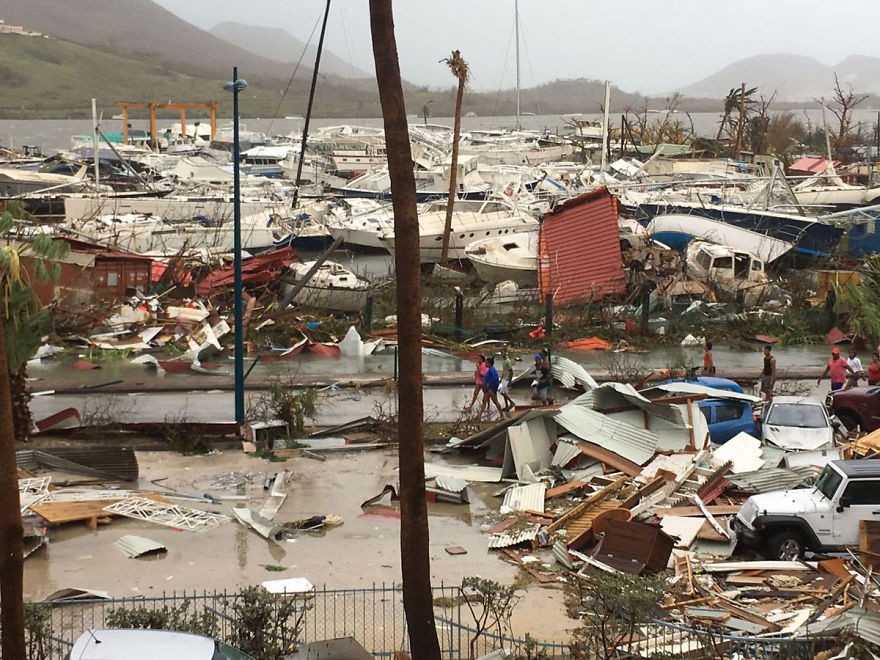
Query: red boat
{"x": 324, "y": 350}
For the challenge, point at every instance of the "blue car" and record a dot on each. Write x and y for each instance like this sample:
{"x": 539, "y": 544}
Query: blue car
{"x": 725, "y": 417}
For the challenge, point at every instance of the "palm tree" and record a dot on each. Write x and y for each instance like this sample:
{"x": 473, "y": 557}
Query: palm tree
{"x": 415, "y": 560}
{"x": 20, "y": 322}
{"x": 462, "y": 72}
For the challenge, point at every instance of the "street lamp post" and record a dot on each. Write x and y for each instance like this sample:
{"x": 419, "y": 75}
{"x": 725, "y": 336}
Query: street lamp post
{"x": 234, "y": 87}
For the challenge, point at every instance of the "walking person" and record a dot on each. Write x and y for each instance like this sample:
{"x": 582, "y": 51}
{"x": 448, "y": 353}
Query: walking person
{"x": 541, "y": 384}
{"x": 838, "y": 369}
{"x": 491, "y": 381}
{"x": 874, "y": 369}
{"x": 854, "y": 364}
{"x": 479, "y": 373}
{"x": 506, "y": 377}
{"x": 768, "y": 373}
{"x": 708, "y": 361}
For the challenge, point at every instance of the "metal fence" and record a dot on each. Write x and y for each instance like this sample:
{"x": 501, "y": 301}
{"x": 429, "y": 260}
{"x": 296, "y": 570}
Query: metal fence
{"x": 374, "y": 616}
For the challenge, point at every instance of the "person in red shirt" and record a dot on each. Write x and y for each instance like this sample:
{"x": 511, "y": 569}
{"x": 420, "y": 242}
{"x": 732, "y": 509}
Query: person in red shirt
{"x": 874, "y": 369}
{"x": 837, "y": 367}
{"x": 708, "y": 362}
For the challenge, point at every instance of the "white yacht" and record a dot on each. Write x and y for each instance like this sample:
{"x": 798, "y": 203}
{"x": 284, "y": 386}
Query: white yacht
{"x": 331, "y": 287}
{"x": 471, "y": 219}
{"x": 511, "y": 257}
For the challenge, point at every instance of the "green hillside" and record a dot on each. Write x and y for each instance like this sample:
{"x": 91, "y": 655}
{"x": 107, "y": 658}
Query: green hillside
{"x": 50, "y": 78}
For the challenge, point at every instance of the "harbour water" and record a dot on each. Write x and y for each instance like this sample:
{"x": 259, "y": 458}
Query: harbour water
{"x": 55, "y": 134}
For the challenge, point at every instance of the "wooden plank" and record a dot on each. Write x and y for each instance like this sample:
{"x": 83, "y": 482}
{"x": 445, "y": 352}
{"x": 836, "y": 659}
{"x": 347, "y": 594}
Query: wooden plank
{"x": 715, "y": 510}
{"x": 605, "y": 493}
{"x": 608, "y": 457}
{"x": 57, "y": 513}
{"x": 563, "y": 489}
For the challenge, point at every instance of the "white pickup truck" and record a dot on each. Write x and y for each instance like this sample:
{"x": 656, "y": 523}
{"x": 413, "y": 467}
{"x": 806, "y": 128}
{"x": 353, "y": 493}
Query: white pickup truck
{"x": 823, "y": 518}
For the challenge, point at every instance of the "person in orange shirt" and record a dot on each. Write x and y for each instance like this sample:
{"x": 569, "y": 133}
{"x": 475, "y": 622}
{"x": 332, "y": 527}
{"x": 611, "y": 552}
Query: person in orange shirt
{"x": 837, "y": 367}
{"x": 708, "y": 362}
{"x": 874, "y": 369}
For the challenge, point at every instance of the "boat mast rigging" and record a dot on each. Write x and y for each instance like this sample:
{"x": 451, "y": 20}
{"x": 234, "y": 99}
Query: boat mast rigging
{"x": 516, "y": 29}
{"x": 302, "y": 149}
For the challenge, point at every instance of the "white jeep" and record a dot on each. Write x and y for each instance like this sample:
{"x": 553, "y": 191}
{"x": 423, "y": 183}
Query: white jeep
{"x": 822, "y": 518}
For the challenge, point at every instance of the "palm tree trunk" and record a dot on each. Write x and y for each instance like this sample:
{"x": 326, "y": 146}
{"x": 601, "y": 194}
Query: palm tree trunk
{"x": 11, "y": 559}
{"x": 453, "y": 171}
{"x": 22, "y": 420}
{"x": 415, "y": 560}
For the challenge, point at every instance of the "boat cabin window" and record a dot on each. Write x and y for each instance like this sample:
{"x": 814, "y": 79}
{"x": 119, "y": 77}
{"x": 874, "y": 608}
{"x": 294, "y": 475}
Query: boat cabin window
{"x": 704, "y": 260}
{"x": 723, "y": 263}
{"x": 510, "y": 246}
{"x": 757, "y": 265}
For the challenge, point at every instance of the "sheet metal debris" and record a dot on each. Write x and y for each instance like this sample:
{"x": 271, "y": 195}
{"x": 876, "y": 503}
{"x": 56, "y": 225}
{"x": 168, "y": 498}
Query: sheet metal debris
{"x": 138, "y": 546}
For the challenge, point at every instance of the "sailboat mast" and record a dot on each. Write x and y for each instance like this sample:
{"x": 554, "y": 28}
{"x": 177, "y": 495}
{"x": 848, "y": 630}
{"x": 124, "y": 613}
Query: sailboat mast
{"x": 516, "y": 28}
{"x": 302, "y": 149}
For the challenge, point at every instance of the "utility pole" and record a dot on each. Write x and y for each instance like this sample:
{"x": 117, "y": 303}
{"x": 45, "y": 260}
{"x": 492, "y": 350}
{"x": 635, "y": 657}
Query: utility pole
{"x": 415, "y": 559}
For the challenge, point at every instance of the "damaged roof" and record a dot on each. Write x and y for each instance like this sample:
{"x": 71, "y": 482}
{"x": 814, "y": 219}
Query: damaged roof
{"x": 634, "y": 444}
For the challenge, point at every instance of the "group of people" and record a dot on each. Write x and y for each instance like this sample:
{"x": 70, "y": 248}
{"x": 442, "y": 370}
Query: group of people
{"x": 846, "y": 373}
{"x": 489, "y": 384}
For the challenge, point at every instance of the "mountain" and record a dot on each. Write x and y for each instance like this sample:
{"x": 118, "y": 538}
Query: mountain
{"x": 279, "y": 44}
{"x": 141, "y": 28}
{"x": 793, "y": 77}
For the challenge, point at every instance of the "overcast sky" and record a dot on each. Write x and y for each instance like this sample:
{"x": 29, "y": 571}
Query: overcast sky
{"x": 640, "y": 45}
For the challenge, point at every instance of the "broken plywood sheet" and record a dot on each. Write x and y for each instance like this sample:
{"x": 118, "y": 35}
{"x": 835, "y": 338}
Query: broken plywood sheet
{"x": 525, "y": 498}
{"x": 742, "y": 451}
{"x": 682, "y": 528}
{"x": 169, "y": 515}
{"x": 530, "y": 445}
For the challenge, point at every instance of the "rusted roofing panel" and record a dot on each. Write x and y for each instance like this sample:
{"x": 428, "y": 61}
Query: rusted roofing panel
{"x": 579, "y": 250}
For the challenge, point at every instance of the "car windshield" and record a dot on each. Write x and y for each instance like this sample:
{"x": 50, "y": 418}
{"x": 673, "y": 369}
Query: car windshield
{"x": 801, "y": 415}
{"x": 828, "y": 481}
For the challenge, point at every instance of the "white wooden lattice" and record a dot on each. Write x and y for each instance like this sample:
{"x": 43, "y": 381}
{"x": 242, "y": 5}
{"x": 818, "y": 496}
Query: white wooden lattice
{"x": 169, "y": 515}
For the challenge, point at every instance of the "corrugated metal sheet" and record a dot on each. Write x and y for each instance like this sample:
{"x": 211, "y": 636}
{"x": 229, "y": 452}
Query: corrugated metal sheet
{"x": 634, "y": 444}
{"x": 569, "y": 373}
{"x": 614, "y": 395}
{"x": 769, "y": 479}
{"x": 525, "y": 498}
{"x": 579, "y": 250}
{"x": 136, "y": 546}
{"x": 452, "y": 484}
{"x": 465, "y": 472}
{"x": 694, "y": 388}
{"x": 508, "y": 539}
{"x": 101, "y": 462}
{"x": 480, "y": 437}
{"x": 565, "y": 452}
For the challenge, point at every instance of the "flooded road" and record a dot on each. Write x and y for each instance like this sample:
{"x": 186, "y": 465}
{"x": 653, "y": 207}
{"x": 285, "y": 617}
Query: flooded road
{"x": 361, "y": 552}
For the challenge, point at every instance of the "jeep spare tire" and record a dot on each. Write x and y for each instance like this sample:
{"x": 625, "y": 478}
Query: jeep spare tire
{"x": 786, "y": 545}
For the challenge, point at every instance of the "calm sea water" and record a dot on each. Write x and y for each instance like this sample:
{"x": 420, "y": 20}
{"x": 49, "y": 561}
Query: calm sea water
{"x": 55, "y": 134}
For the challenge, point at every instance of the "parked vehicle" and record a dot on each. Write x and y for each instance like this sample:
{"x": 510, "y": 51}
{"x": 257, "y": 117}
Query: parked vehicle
{"x": 726, "y": 417}
{"x": 797, "y": 423}
{"x": 856, "y": 407}
{"x": 822, "y": 518}
{"x": 127, "y": 644}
